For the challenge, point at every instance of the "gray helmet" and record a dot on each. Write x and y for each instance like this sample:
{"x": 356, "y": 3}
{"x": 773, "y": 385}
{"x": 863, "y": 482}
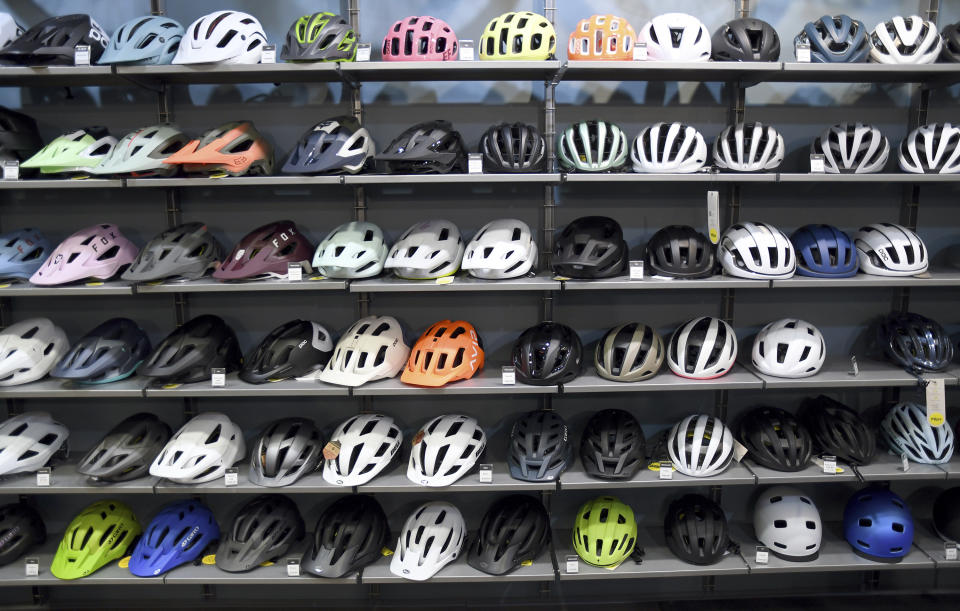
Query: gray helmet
{"x": 186, "y": 251}
{"x": 125, "y": 453}
{"x": 264, "y": 528}
{"x": 323, "y": 37}
{"x": 540, "y": 449}
{"x": 286, "y": 450}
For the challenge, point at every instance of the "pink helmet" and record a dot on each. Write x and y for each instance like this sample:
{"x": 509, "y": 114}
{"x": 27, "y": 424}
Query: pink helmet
{"x": 99, "y": 252}
{"x": 420, "y": 39}
{"x": 266, "y": 252}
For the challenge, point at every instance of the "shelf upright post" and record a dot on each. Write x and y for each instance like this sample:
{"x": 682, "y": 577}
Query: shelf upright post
{"x": 352, "y": 7}
{"x": 549, "y": 191}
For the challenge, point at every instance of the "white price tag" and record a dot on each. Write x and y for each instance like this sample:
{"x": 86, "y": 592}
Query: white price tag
{"x": 666, "y": 469}
{"x": 950, "y": 550}
{"x": 11, "y": 170}
{"x": 31, "y": 566}
{"x": 294, "y": 272}
{"x": 293, "y": 567}
{"x": 218, "y": 377}
{"x": 739, "y": 450}
{"x": 854, "y": 366}
{"x": 904, "y": 462}
{"x": 713, "y": 216}
{"x": 763, "y": 555}
{"x": 486, "y": 474}
{"x": 639, "y": 51}
{"x": 43, "y": 477}
{"x": 830, "y": 465}
{"x": 363, "y": 52}
{"x": 466, "y": 51}
{"x": 269, "y": 54}
{"x": 81, "y": 55}
{"x": 936, "y": 405}
{"x": 636, "y": 270}
{"x": 474, "y": 163}
{"x": 817, "y": 164}
{"x": 802, "y": 51}
{"x": 508, "y": 375}
{"x": 231, "y": 476}
{"x": 573, "y": 564}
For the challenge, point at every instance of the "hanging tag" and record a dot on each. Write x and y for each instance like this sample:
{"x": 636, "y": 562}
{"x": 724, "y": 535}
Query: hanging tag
{"x": 331, "y": 450}
{"x": 639, "y": 51}
{"x": 218, "y": 377}
{"x": 81, "y": 55}
{"x": 466, "y": 51}
{"x": 293, "y": 567}
{"x": 763, "y": 555}
{"x": 11, "y": 170}
{"x": 949, "y": 551}
{"x": 817, "y": 164}
{"x": 904, "y": 462}
{"x": 636, "y": 270}
{"x": 573, "y": 564}
{"x": 474, "y": 163}
{"x": 713, "y": 216}
{"x": 854, "y": 366}
{"x": 508, "y": 375}
{"x": 486, "y": 474}
{"x": 44, "y": 477}
{"x": 269, "y": 54}
{"x": 739, "y": 450}
{"x": 31, "y": 566}
{"x": 936, "y": 406}
{"x": 802, "y": 51}
{"x": 294, "y": 272}
{"x": 666, "y": 469}
{"x": 363, "y": 52}
{"x": 231, "y": 476}
{"x": 830, "y": 465}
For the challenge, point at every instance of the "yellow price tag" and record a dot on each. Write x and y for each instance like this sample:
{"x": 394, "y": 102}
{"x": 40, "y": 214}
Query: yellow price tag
{"x": 94, "y": 283}
{"x": 386, "y": 551}
{"x": 267, "y": 563}
{"x": 317, "y": 278}
{"x": 218, "y": 175}
{"x": 124, "y": 562}
{"x": 445, "y": 280}
{"x": 209, "y": 560}
{"x": 527, "y": 563}
{"x": 936, "y": 419}
{"x": 170, "y": 386}
{"x": 714, "y": 236}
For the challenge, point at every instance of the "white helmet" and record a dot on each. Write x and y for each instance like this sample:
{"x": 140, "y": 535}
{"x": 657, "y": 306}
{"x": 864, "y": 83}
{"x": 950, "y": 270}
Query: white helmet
{"x": 201, "y": 451}
{"x": 432, "y": 537}
{"x": 789, "y": 348}
{"x": 905, "y": 40}
{"x": 852, "y": 148}
{"x": 223, "y": 37}
{"x": 676, "y": 37}
{"x": 673, "y": 148}
{"x": 501, "y": 249}
{"x": 431, "y": 249}
{"x": 887, "y": 249}
{"x": 10, "y": 30}
{"x": 700, "y": 446}
{"x": 444, "y": 450}
{"x": 352, "y": 250}
{"x": 748, "y": 147}
{"x": 758, "y": 251}
{"x": 142, "y": 152}
{"x": 371, "y": 349}
{"x": 702, "y": 348}
{"x": 905, "y": 430}
{"x": 787, "y": 522}
{"x": 368, "y": 443}
{"x": 931, "y": 149}
{"x": 29, "y": 349}
{"x": 28, "y": 441}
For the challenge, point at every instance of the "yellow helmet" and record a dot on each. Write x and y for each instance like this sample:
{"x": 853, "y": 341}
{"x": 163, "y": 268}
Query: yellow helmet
{"x": 605, "y": 532}
{"x": 522, "y": 35}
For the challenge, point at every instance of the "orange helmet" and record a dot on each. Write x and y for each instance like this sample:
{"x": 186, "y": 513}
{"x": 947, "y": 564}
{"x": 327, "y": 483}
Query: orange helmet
{"x": 235, "y": 148}
{"x": 446, "y": 352}
{"x": 602, "y": 37}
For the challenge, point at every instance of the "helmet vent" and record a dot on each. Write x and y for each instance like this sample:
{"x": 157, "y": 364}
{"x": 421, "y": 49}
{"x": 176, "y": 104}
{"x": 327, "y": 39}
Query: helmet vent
{"x": 779, "y": 523}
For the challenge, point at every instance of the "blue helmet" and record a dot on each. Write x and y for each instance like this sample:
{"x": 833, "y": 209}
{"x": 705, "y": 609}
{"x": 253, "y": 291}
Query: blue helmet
{"x": 823, "y": 251}
{"x": 175, "y": 536}
{"x": 837, "y": 39}
{"x": 110, "y": 352}
{"x": 22, "y": 252}
{"x": 877, "y": 523}
{"x": 144, "y": 41}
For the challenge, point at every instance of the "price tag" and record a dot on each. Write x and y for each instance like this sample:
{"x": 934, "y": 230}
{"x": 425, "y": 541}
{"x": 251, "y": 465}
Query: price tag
{"x": 854, "y": 366}
{"x": 639, "y": 51}
{"x": 636, "y": 270}
{"x": 739, "y": 450}
{"x": 11, "y": 170}
{"x": 81, "y": 55}
{"x": 44, "y": 477}
{"x": 949, "y": 551}
{"x": 218, "y": 377}
{"x": 363, "y": 52}
{"x": 294, "y": 272}
{"x": 830, "y": 465}
{"x": 486, "y": 474}
{"x": 474, "y": 163}
{"x": 466, "y": 51}
{"x": 763, "y": 555}
{"x": 31, "y": 566}
{"x": 508, "y": 375}
{"x": 936, "y": 405}
{"x": 666, "y": 469}
{"x": 802, "y": 51}
{"x": 817, "y": 164}
{"x": 904, "y": 462}
{"x": 446, "y": 280}
{"x": 269, "y": 54}
{"x": 293, "y": 567}
{"x": 231, "y": 476}
{"x": 573, "y": 564}
{"x": 713, "y": 216}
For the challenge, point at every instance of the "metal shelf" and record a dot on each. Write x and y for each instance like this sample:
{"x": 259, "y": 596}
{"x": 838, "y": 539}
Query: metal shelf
{"x": 932, "y": 545}
{"x": 443, "y": 179}
{"x": 61, "y": 183}
{"x": 657, "y": 283}
{"x": 885, "y": 467}
{"x": 878, "y": 178}
{"x": 57, "y": 76}
{"x": 488, "y": 382}
{"x": 210, "y": 285}
{"x": 237, "y": 388}
{"x": 671, "y": 71}
{"x": 953, "y": 467}
{"x": 111, "y": 574}
{"x": 811, "y": 474}
{"x": 698, "y": 177}
{"x": 51, "y": 388}
{"x": 576, "y": 478}
{"x": 313, "y": 72}
{"x": 935, "y": 74}
{"x": 381, "y": 71}
{"x": 110, "y": 288}
{"x": 396, "y": 481}
{"x": 836, "y": 374}
{"x": 459, "y": 571}
{"x": 66, "y": 480}
{"x": 931, "y": 278}
{"x": 308, "y": 484}
{"x": 234, "y": 181}
{"x": 462, "y": 282}
{"x": 738, "y": 379}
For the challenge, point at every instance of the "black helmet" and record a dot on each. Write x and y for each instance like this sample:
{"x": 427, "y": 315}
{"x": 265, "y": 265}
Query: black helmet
{"x": 516, "y": 529}
{"x": 838, "y": 431}
{"x": 696, "y": 530}
{"x": 951, "y": 43}
{"x": 192, "y": 350}
{"x": 512, "y": 147}
{"x": 292, "y": 350}
{"x": 350, "y": 534}
{"x": 547, "y": 354}
{"x": 126, "y": 452}
{"x": 775, "y": 439}
{"x": 112, "y": 351}
{"x": 19, "y": 137}
{"x": 629, "y": 353}
{"x": 915, "y": 342}
{"x": 261, "y": 530}
{"x": 612, "y": 446}
{"x": 432, "y": 147}
{"x": 185, "y": 251}
{"x": 53, "y": 41}
{"x": 680, "y": 251}
{"x": 591, "y": 247}
{"x": 540, "y": 449}
{"x": 320, "y": 37}
{"x": 21, "y": 527}
{"x": 286, "y": 450}
{"x": 339, "y": 144}
{"x": 746, "y": 40}
{"x": 946, "y": 515}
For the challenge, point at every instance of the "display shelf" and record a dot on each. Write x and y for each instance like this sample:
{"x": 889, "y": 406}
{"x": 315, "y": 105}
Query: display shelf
{"x": 233, "y": 181}
{"x": 698, "y": 177}
{"x": 461, "y": 282}
{"x": 738, "y": 379}
{"x": 885, "y": 467}
{"x": 396, "y": 481}
{"x": 836, "y": 374}
{"x": 932, "y": 545}
{"x": 13, "y": 574}
{"x": 312, "y": 72}
{"x": 953, "y": 467}
{"x": 811, "y": 474}
{"x": 443, "y": 179}
{"x": 487, "y": 382}
{"x": 459, "y": 571}
{"x": 238, "y": 388}
{"x": 670, "y": 71}
{"x": 51, "y": 388}
{"x": 380, "y": 71}
{"x": 210, "y": 285}
{"x": 57, "y": 76}
{"x": 23, "y": 289}
{"x": 931, "y": 278}
{"x": 65, "y": 479}
{"x": 575, "y": 478}
{"x": 658, "y": 283}
{"x": 939, "y": 74}
{"x": 308, "y": 484}
{"x": 878, "y": 178}
{"x": 61, "y": 183}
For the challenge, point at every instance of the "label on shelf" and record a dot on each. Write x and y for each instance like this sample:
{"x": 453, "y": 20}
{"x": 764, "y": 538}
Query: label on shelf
{"x": 43, "y": 477}
{"x": 573, "y": 564}
{"x": 639, "y": 51}
{"x": 763, "y": 555}
{"x": 11, "y": 170}
{"x": 293, "y": 567}
{"x": 666, "y": 469}
{"x": 739, "y": 450}
{"x": 466, "y": 51}
{"x": 713, "y": 216}
{"x": 936, "y": 405}
{"x": 474, "y": 163}
{"x": 636, "y": 270}
{"x": 363, "y": 52}
{"x": 817, "y": 164}
{"x": 950, "y": 550}
{"x": 218, "y": 377}
{"x": 81, "y": 55}
{"x": 803, "y": 52}
{"x": 269, "y": 54}
{"x": 830, "y": 465}
{"x": 904, "y": 462}
{"x": 445, "y": 280}
{"x": 854, "y": 366}
{"x": 31, "y": 566}
{"x": 294, "y": 272}
{"x": 231, "y": 476}
{"x": 508, "y": 375}
{"x": 486, "y": 474}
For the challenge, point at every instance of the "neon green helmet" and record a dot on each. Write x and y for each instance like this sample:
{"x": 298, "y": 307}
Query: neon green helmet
{"x": 98, "y": 535}
{"x": 605, "y": 532}
{"x": 77, "y": 151}
{"x": 320, "y": 37}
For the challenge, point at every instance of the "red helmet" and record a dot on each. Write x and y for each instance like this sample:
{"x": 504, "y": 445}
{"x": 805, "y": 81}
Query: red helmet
{"x": 266, "y": 252}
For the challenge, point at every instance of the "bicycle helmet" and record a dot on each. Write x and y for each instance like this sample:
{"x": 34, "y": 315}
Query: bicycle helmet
{"x": 267, "y": 252}
{"x": 696, "y": 530}
{"x": 931, "y": 149}
{"x": 540, "y": 448}
{"x": 29, "y": 441}
{"x": 201, "y": 451}
{"x": 746, "y": 40}
{"x": 235, "y": 149}
{"x": 592, "y": 146}
{"x": 702, "y": 348}
{"x": 837, "y": 430}
{"x": 371, "y": 349}
{"x": 292, "y": 350}
{"x": 223, "y": 37}
{"x": 420, "y": 39}
{"x": 612, "y": 446}
{"x": 10, "y": 30}
{"x": 502, "y": 249}
{"x": 680, "y": 251}
{"x": 757, "y": 251}
{"x": 350, "y": 534}
{"x": 445, "y": 449}
{"x": 946, "y": 519}
{"x": 431, "y": 147}
{"x": 185, "y": 252}
{"x": 788, "y": 523}
{"x": 367, "y": 444}
{"x": 263, "y": 529}
{"x": 519, "y": 35}
{"x": 110, "y": 352}
{"x": 446, "y": 352}
{"x": 337, "y": 145}
{"x": 887, "y": 249}
{"x": 547, "y": 354}
{"x": 789, "y": 348}
{"x": 852, "y": 148}
{"x": 877, "y": 524}
{"x": 951, "y": 43}
{"x": 22, "y": 252}
{"x": 149, "y": 40}
{"x": 353, "y": 250}
{"x": 514, "y": 531}
{"x": 99, "y": 252}
{"x": 775, "y": 439}
{"x": 29, "y": 349}
{"x": 838, "y": 39}
{"x": 748, "y": 147}
{"x": 512, "y": 148}
{"x": 320, "y": 37}
{"x": 427, "y": 250}
{"x": 127, "y": 450}
{"x": 54, "y": 40}
{"x": 591, "y": 247}
{"x": 915, "y": 342}
{"x": 823, "y": 251}
{"x": 905, "y": 430}
{"x": 178, "y": 534}
{"x": 142, "y": 153}
{"x": 604, "y": 532}
{"x": 192, "y": 350}
{"x": 432, "y": 537}
{"x": 602, "y": 37}
{"x": 21, "y": 528}
{"x": 98, "y": 535}
{"x": 80, "y": 151}
{"x": 672, "y": 148}
{"x": 286, "y": 450}
{"x": 905, "y": 40}
{"x": 19, "y": 137}
{"x": 676, "y": 37}
{"x": 629, "y": 352}
{"x": 700, "y": 446}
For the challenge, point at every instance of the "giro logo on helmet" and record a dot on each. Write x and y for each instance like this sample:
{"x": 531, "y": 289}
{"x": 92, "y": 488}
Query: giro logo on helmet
{"x": 186, "y": 540}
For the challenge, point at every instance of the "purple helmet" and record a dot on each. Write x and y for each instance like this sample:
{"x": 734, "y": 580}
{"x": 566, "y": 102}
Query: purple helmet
{"x": 99, "y": 252}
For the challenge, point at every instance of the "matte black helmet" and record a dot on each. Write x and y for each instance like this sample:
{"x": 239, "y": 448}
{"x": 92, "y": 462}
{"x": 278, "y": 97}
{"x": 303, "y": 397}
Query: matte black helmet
{"x": 512, "y": 147}
{"x": 746, "y": 40}
{"x": 838, "y": 431}
{"x": 190, "y": 352}
{"x": 540, "y": 448}
{"x": 612, "y": 446}
{"x": 292, "y": 350}
{"x": 680, "y": 251}
{"x": 696, "y": 530}
{"x": 263, "y": 529}
{"x": 915, "y": 342}
{"x": 433, "y": 147}
{"x": 951, "y": 43}
{"x": 127, "y": 450}
{"x": 111, "y": 351}
{"x": 591, "y": 247}
{"x": 350, "y": 534}
{"x": 53, "y": 41}
{"x": 547, "y": 354}
{"x": 21, "y": 528}
{"x": 516, "y": 529}
{"x": 775, "y": 439}
{"x": 946, "y": 514}
{"x": 19, "y": 136}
